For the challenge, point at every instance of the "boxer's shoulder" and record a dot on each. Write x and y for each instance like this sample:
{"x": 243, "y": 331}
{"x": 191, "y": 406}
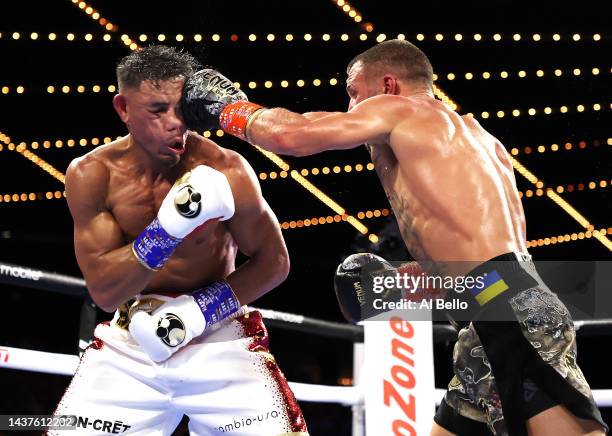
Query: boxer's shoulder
{"x": 426, "y": 118}
{"x": 394, "y": 110}
{"x": 86, "y": 184}
{"x": 88, "y": 176}
{"x": 97, "y": 163}
{"x": 89, "y": 168}
{"x": 206, "y": 152}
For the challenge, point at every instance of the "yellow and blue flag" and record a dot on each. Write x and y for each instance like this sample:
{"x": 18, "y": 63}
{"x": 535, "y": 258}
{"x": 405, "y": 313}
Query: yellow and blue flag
{"x": 492, "y": 286}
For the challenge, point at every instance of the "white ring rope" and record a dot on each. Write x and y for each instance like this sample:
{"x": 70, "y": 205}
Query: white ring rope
{"x": 66, "y": 364}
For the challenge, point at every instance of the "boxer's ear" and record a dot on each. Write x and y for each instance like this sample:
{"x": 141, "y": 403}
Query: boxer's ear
{"x": 120, "y": 105}
{"x": 391, "y": 86}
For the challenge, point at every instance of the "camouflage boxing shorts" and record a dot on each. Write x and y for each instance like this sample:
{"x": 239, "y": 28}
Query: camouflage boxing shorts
{"x": 508, "y": 371}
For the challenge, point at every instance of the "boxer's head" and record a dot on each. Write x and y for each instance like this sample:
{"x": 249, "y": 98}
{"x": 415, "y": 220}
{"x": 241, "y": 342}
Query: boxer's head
{"x": 392, "y": 67}
{"x": 150, "y": 85}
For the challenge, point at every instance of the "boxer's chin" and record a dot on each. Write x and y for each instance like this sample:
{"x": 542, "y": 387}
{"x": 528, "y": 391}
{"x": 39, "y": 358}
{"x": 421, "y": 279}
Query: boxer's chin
{"x": 170, "y": 160}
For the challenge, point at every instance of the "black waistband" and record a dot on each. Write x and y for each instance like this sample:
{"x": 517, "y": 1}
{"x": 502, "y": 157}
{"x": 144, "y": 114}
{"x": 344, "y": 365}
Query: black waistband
{"x": 503, "y": 277}
{"x": 515, "y": 267}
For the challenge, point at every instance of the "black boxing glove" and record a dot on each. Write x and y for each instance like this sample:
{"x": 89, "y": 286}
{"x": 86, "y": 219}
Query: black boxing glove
{"x": 355, "y": 286}
{"x": 210, "y": 100}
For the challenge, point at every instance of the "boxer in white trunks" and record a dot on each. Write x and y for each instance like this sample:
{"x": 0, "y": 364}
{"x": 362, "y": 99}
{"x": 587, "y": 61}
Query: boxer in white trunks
{"x": 159, "y": 216}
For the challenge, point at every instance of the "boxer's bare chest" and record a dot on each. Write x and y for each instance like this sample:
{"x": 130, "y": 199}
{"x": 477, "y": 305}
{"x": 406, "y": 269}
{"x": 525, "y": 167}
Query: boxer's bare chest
{"x": 134, "y": 199}
{"x": 206, "y": 255}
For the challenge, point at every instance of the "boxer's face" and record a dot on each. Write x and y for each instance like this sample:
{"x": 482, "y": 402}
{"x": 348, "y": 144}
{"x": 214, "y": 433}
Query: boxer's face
{"x": 153, "y": 117}
{"x": 357, "y": 86}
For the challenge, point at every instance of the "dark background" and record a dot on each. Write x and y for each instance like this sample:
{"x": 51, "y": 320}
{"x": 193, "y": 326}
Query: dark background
{"x": 39, "y": 233}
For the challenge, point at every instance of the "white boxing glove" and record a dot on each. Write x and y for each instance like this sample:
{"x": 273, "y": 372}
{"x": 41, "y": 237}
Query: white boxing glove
{"x": 172, "y": 326}
{"x": 200, "y": 195}
{"x": 176, "y": 322}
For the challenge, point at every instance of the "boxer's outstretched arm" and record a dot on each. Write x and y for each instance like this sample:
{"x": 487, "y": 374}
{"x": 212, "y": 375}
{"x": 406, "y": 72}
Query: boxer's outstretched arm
{"x": 257, "y": 233}
{"x": 111, "y": 271}
{"x": 285, "y": 132}
{"x": 312, "y": 116}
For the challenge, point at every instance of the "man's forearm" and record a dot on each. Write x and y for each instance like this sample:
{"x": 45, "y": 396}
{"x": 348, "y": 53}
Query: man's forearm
{"x": 269, "y": 126}
{"x": 117, "y": 277}
{"x": 258, "y": 275}
{"x": 285, "y": 132}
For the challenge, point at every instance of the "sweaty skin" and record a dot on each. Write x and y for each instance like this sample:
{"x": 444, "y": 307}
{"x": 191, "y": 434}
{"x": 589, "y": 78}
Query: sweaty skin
{"x": 449, "y": 182}
{"x": 115, "y": 191}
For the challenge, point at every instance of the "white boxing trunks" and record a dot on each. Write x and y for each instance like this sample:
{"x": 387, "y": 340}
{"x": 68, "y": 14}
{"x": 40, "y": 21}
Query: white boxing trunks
{"x": 226, "y": 382}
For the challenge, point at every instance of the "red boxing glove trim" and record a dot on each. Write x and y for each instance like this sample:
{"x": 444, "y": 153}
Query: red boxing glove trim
{"x": 235, "y": 117}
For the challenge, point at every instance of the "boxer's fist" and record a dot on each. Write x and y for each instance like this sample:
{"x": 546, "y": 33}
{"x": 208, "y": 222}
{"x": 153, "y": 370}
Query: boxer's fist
{"x": 362, "y": 291}
{"x": 172, "y": 326}
{"x": 354, "y": 285}
{"x": 205, "y": 95}
{"x": 175, "y": 323}
{"x": 200, "y": 195}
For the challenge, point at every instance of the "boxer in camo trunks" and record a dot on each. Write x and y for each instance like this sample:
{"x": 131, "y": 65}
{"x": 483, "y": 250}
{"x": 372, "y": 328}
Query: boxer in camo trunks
{"x": 546, "y": 324}
{"x": 453, "y": 192}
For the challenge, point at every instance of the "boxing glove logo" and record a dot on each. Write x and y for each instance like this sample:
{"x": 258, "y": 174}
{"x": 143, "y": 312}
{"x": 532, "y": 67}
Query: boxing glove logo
{"x": 171, "y": 330}
{"x": 187, "y": 202}
{"x": 218, "y": 83}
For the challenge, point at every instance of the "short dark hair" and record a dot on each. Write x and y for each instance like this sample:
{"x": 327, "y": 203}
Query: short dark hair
{"x": 402, "y": 57}
{"x": 154, "y": 63}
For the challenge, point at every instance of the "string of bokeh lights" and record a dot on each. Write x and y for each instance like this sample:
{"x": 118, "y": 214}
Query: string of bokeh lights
{"x": 57, "y": 144}
{"x": 381, "y": 37}
{"x": 333, "y": 81}
{"x": 95, "y": 15}
{"x": 304, "y": 37}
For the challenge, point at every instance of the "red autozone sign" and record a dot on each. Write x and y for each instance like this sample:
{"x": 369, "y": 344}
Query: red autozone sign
{"x": 398, "y": 377}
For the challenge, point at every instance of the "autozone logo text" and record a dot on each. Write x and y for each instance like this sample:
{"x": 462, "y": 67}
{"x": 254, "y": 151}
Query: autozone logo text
{"x": 396, "y": 392}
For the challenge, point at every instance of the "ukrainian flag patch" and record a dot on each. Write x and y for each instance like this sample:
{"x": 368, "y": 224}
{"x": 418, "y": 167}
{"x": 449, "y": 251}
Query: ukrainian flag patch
{"x": 493, "y": 285}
